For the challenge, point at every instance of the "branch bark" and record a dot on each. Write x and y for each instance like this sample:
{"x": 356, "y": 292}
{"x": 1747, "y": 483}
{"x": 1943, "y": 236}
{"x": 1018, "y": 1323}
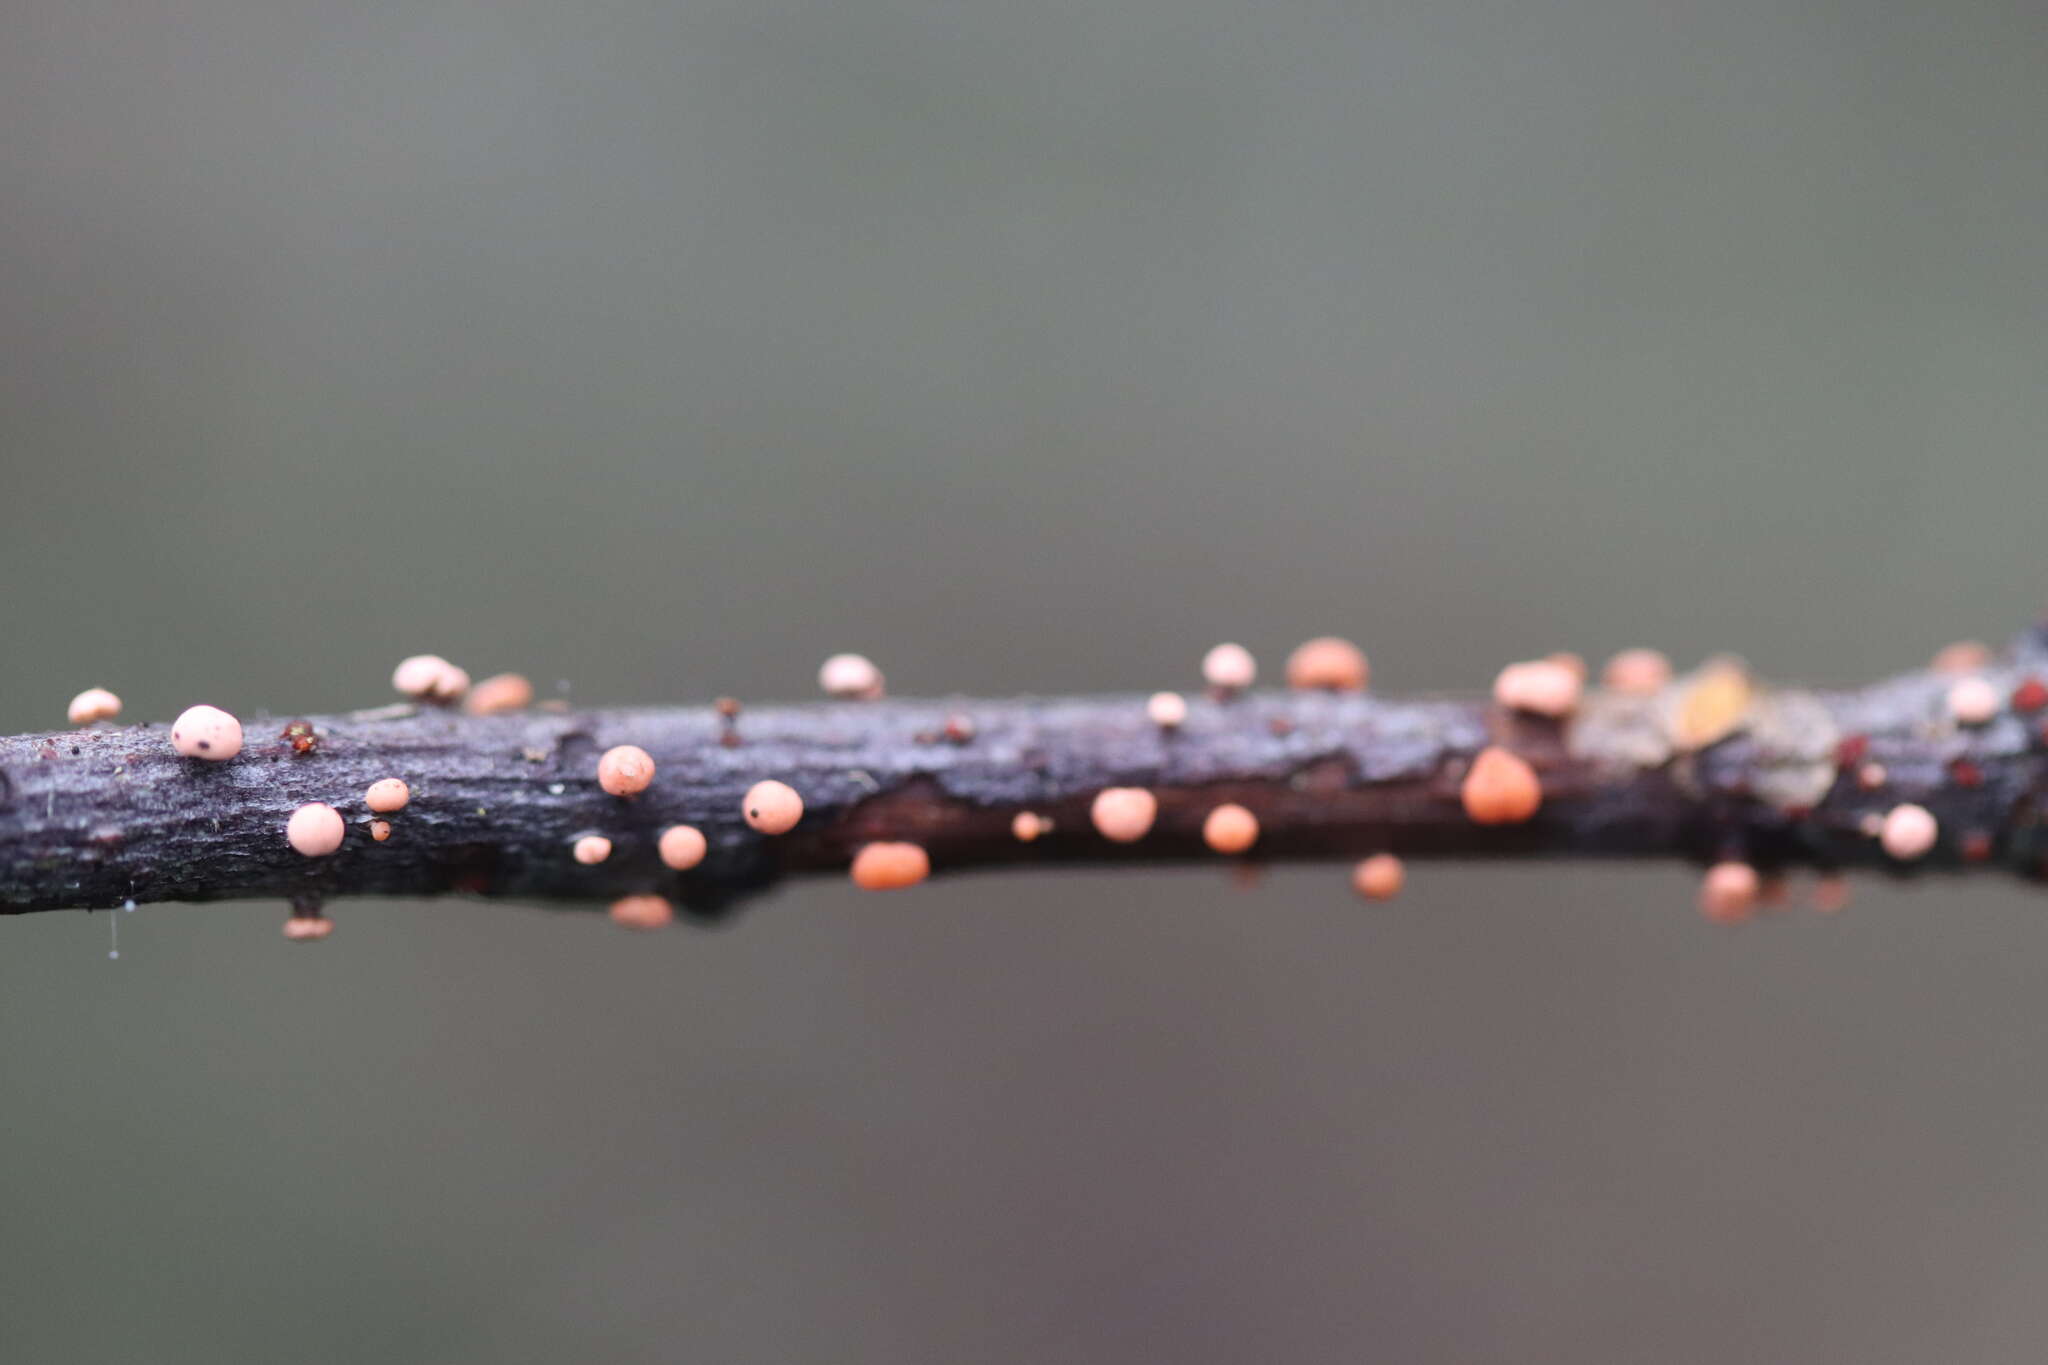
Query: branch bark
{"x": 95, "y": 817}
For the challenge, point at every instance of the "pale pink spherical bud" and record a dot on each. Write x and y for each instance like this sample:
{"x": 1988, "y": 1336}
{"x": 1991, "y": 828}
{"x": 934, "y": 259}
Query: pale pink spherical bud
{"x": 1229, "y": 668}
{"x": 1908, "y": 832}
{"x": 206, "y": 732}
{"x": 1124, "y": 815}
{"x": 1728, "y": 892}
{"x": 853, "y": 677}
{"x": 772, "y": 807}
{"x": 1230, "y": 829}
{"x": 642, "y": 912}
{"x": 499, "y": 694}
{"x": 315, "y": 830}
{"x": 626, "y": 770}
{"x": 1973, "y": 701}
{"x": 1167, "y": 710}
{"x": 1379, "y": 878}
{"x": 592, "y": 849}
{"x": 682, "y": 847}
{"x": 308, "y": 928}
{"x": 420, "y": 675}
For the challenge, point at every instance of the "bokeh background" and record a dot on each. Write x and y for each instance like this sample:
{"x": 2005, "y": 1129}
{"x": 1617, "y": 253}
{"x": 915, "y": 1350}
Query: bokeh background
{"x": 663, "y": 348}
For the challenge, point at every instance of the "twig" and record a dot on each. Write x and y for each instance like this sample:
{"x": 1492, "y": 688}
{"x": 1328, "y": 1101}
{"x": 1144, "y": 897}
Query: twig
{"x": 97, "y": 816}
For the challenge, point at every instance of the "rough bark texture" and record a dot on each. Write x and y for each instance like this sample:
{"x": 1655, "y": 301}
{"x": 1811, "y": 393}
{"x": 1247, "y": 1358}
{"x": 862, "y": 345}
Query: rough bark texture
{"x": 94, "y": 817}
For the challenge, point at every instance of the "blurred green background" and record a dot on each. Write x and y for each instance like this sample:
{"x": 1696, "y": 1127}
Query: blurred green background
{"x": 665, "y": 348}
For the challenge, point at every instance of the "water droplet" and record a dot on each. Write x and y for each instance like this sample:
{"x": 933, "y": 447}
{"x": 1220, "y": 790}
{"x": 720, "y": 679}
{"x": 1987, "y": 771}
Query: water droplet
{"x": 129, "y": 905}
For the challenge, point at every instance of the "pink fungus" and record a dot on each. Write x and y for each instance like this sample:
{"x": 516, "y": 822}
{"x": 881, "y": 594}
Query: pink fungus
{"x": 1124, "y": 815}
{"x": 1230, "y": 829}
{"x": 772, "y": 807}
{"x": 206, "y": 732}
{"x": 315, "y": 830}
{"x": 1501, "y": 788}
{"x": 308, "y": 928}
{"x": 626, "y": 770}
{"x": 1167, "y": 710}
{"x": 387, "y": 795}
{"x": 499, "y": 694}
{"x": 1545, "y": 687}
{"x": 1637, "y": 673}
{"x": 95, "y": 703}
{"x": 642, "y": 912}
{"x": 1908, "y": 832}
{"x": 1328, "y": 664}
{"x": 1973, "y": 701}
{"x": 592, "y": 849}
{"x": 1229, "y": 668}
{"x": 851, "y": 677}
{"x": 1379, "y": 878}
{"x": 890, "y": 866}
{"x": 682, "y": 847}
{"x": 1728, "y": 892}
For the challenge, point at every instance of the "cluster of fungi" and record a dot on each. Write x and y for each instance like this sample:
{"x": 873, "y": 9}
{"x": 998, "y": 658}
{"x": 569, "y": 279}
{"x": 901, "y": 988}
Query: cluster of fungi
{"x": 1713, "y": 744}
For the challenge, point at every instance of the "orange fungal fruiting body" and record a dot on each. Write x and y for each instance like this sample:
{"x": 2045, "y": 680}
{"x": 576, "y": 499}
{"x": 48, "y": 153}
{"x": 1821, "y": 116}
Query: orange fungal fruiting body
{"x": 1908, "y": 832}
{"x": 1379, "y": 878}
{"x": 499, "y": 694}
{"x": 1501, "y": 788}
{"x": 642, "y": 912}
{"x": 772, "y": 807}
{"x": 1329, "y": 664}
{"x": 626, "y": 770}
{"x": 386, "y": 795}
{"x": 1230, "y": 829}
{"x": 1728, "y": 892}
{"x": 890, "y": 866}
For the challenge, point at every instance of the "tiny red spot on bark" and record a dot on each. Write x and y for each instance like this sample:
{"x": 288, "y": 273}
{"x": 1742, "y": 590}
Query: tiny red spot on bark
{"x": 1852, "y": 750}
{"x": 2030, "y": 695}
{"x": 1976, "y": 846}
{"x": 1965, "y": 773}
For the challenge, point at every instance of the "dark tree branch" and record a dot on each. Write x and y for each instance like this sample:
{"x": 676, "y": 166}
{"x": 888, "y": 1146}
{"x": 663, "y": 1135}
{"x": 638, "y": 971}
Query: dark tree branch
{"x": 90, "y": 818}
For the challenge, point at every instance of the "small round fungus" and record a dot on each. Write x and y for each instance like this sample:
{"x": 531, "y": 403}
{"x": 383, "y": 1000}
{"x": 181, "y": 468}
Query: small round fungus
{"x": 315, "y": 829}
{"x": 1831, "y": 893}
{"x": 852, "y": 677}
{"x": 682, "y": 847}
{"x": 626, "y": 770}
{"x": 592, "y": 849}
{"x": 1166, "y": 709}
{"x": 1909, "y": 832}
{"x": 1124, "y": 815}
{"x": 206, "y": 732}
{"x": 772, "y": 807}
{"x": 1230, "y": 829}
{"x": 1379, "y": 878}
{"x": 1542, "y": 686}
{"x": 429, "y": 677}
{"x": 890, "y": 866}
{"x": 1973, "y": 701}
{"x": 95, "y": 703}
{"x": 1328, "y": 664}
{"x": 642, "y": 912}
{"x": 308, "y": 928}
{"x": 1229, "y": 668}
{"x": 1028, "y": 826}
{"x": 380, "y": 830}
{"x": 498, "y": 694}
{"x": 1728, "y": 892}
{"x": 1501, "y": 788}
{"x": 1964, "y": 656}
{"x": 1637, "y": 673}
{"x": 387, "y": 795}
